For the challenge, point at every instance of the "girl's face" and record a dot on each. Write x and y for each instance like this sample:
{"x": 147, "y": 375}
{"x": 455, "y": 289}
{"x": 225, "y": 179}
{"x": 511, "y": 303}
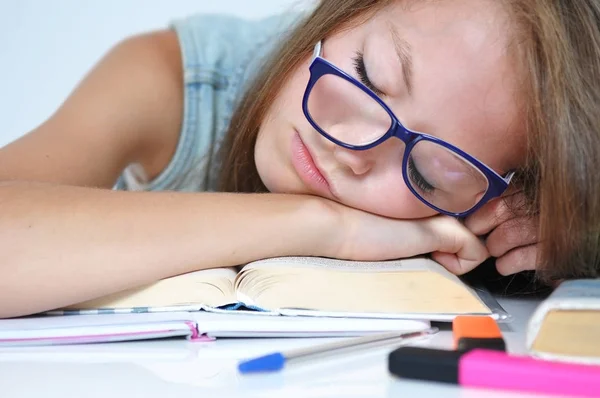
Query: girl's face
{"x": 462, "y": 88}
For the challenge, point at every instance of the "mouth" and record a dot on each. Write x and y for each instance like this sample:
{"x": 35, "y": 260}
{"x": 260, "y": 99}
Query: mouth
{"x": 307, "y": 169}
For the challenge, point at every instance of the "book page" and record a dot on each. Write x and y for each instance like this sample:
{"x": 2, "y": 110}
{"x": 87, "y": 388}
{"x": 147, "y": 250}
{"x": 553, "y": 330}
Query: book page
{"x": 419, "y": 263}
{"x": 212, "y": 287}
{"x": 45, "y": 330}
{"x": 93, "y": 321}
{"x": 258, "y": 325}
{"x": 416, "y": 285}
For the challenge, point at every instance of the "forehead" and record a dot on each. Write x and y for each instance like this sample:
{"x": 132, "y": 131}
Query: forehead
{"x": 464, "y": 88}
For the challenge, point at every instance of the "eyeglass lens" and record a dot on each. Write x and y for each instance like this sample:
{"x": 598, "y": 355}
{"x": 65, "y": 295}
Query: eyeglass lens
{"x": 346, "y": 112}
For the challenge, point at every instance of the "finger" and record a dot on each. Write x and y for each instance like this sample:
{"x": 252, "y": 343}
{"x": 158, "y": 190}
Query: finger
{"x": 456, "y": 248}
{"x": 496, "y": 212}
{"x": 451, "y": 262}
{"x": 513, "y": 233}
{"x": 517, "y": 260}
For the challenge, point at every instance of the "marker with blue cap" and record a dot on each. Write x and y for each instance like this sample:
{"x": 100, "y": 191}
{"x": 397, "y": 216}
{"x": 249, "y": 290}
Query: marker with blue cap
{"x": 276, "y": 361}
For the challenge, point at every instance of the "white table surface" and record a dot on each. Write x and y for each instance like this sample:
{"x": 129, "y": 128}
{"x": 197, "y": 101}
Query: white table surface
{"x": 166, "y": 368}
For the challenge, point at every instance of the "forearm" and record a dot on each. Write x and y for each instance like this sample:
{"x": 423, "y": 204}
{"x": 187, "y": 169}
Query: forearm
{"x": 61, "y": 245}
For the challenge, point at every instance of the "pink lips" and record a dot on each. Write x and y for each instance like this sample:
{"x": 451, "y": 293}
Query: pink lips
{"x": 307, "y": 169}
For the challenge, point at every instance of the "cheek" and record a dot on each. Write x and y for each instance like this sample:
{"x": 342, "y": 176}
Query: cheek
{"x": 262, "y": 161}
{"x": 267, "y": 161}
{"x": 272, "y": 157}
{"x": 273, "y": 145}
{"x": 403, "y": 205}
{"x": 388, "y": 197}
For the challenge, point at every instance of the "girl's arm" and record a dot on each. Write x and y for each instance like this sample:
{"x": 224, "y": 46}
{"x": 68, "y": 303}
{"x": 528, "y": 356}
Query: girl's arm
{"x": 61, "y": 244}
{"x": 65, "y": 237}
{"x": 128, "y": 109}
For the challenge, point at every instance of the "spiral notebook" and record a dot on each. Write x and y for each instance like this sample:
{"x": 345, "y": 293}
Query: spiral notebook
{"x": 195, "y": 326}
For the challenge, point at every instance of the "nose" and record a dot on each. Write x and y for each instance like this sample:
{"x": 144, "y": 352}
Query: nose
{"x": 360, "y": 162}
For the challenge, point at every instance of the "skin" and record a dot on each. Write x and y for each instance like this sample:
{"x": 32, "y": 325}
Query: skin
{"x": 511, "y": 236}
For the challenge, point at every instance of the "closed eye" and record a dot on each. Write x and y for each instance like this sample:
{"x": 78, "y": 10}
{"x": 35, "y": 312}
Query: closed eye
{"x": 417, "y": 178}
{"x": 361, "y": 71}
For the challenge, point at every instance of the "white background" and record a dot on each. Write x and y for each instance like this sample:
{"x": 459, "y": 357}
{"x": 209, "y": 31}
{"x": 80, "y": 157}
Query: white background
{"x": 46, "y": 47}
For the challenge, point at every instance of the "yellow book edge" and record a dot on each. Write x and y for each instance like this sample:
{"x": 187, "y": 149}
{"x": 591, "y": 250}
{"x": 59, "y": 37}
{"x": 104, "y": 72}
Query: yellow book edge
{"x": 566, "y": 326}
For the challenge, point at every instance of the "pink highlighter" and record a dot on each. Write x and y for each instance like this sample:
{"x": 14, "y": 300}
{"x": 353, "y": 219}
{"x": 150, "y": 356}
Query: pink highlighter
{"x": 496, "y": 370}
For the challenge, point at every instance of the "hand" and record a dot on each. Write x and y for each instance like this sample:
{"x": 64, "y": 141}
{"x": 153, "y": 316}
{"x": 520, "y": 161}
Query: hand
{"x": 369, "y": 237}
{"x": 511, "y": 233}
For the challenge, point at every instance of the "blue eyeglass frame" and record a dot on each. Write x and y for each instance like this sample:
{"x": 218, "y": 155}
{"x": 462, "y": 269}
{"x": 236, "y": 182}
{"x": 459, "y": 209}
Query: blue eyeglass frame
{"x": 320, "y": 67}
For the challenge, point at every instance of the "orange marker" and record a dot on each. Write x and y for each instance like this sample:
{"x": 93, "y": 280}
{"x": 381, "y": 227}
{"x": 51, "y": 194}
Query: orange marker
{"x": 477, "y": 332}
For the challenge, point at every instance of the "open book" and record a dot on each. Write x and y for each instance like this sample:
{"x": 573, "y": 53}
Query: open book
{"x": 414, "y": 288}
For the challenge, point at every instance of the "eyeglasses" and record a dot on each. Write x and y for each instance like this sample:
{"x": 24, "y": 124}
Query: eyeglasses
{"x": 348, "y": 113}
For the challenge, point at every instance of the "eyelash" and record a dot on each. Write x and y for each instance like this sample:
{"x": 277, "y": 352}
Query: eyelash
{"x": 361, "y": 71}
{"x": 417, "y": 178}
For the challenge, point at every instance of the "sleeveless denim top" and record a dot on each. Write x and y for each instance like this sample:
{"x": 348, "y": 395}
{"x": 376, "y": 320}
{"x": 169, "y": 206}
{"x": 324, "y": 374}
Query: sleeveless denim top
{"x": 220, "y": 54}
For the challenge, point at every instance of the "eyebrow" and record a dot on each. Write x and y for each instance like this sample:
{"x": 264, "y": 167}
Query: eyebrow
{"x": 405, "y": 56}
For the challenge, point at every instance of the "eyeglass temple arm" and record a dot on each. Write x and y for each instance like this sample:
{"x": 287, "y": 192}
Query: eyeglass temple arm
{"x": 508, "y": 177}
{"x": 317, "y": 51}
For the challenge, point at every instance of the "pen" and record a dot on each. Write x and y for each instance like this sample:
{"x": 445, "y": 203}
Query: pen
{"x": 277, "y": 360}
{"x": 497, "y": 370}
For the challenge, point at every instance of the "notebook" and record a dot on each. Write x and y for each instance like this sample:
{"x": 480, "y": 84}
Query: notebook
{"x": 195, "y": 326}
{"x": 414, "y": 288}
{"x": 566, "y": 326}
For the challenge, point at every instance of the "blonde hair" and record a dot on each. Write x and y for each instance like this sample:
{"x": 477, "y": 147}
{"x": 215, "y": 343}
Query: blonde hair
{"x": 558, "y": 46}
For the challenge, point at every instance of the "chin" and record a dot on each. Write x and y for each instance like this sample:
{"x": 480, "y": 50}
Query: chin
{"x": 268, "y": 176}
{"x": 273, "y": 174}
{"x": 279, "y": 185}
